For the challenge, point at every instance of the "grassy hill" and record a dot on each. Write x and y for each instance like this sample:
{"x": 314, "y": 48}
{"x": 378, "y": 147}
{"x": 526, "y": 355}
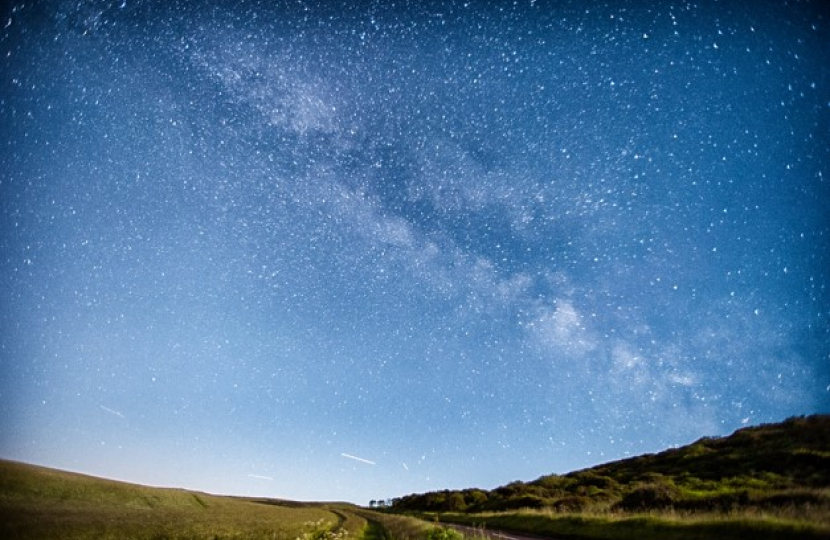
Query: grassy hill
{"x": 769, "y": 467}
{"x": 765, "y": 482}
{"x": 40, "y": 503}
{"x": 768, "y": 482}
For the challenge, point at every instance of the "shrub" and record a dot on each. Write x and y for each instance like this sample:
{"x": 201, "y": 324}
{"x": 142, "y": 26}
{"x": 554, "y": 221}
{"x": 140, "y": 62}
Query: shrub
{"x": 442, "y": 533}
{"x": 322, "y": 530}
{"x": 455, "y": 502}
{"x": 592, "y": 479}
{"x": 794, "y": 498}
{"x": 474, "y": 499}
{"x": 524, "y": 501}
{"x": 574, "y": 503}
{"x": 716, "y": 502}
{"x": 654, "y": 496}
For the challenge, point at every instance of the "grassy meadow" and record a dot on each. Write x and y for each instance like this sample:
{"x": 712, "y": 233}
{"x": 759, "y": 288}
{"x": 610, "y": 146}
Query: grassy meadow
{"x": 652, "y": 526}
{"x": 38, "y": 503}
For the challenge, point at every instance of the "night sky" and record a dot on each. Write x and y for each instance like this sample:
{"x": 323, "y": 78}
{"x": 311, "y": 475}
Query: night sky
{"x": 351, "y": 252}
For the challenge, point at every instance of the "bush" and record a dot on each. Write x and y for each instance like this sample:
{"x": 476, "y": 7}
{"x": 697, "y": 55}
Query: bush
{"x": 572, "y": 504}
{"x": 323, "y": 530}
{"x": 656, "y": 496}
{"x": 524, "y": 501}
{"x": 794, "y": 498}
{"x": 716, "y": 502}
{"x": 442, "y": 533}
{"x": 592, "y": 479}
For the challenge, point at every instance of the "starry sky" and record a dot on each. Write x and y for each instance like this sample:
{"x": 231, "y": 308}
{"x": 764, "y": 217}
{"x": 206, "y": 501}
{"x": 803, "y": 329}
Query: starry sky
{"x": 351, "y": 251}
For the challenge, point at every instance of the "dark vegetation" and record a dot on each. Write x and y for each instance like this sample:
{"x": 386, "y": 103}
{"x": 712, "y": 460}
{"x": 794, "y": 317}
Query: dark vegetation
{"x": 766, "y": 468}
{"x": 660, "y": 526}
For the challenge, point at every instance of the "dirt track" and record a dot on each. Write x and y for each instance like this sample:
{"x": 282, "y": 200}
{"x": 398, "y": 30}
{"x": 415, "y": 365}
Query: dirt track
{"x": 496, "y": 535}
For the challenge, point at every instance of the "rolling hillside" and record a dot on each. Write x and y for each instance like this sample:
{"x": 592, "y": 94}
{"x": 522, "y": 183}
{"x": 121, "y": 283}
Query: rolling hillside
{"x": 38, "y": 503}
{"x": 765, "y": 467}
{"x": 770, "y": 481}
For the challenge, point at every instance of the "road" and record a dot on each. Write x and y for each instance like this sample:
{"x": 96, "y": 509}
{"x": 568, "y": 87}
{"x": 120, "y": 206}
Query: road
{"x": 473, "y": 532}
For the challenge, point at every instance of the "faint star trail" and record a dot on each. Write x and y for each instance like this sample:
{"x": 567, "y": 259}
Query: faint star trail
{"x": 491, "y": 240}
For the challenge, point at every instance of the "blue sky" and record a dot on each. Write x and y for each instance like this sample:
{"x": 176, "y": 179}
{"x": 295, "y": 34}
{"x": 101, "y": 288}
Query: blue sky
{"x": 464, "y": 242}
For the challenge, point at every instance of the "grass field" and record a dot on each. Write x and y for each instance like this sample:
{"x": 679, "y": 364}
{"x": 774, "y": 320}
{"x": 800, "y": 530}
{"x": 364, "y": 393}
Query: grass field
{"x": 656, "y": 526}
{"x": 396, "y": 527}
{"x": 38, "y": 503}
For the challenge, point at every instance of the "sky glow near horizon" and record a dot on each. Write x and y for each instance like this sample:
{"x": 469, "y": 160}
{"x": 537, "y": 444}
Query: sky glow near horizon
{"x": 353, "y": 252}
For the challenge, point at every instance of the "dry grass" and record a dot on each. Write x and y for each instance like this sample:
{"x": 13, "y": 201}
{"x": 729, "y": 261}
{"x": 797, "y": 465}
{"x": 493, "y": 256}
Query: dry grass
{"x": 397, "y": 527}
{"x": 663, "y": 526}
{"x": 37, "y": 503}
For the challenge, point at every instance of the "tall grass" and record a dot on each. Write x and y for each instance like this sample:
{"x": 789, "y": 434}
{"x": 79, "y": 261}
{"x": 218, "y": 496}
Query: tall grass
{"x": 349, "y": 521}
{"x": 375, "y": 531}
{"x": 644, "y": 527}
{"x": 397, "y": 527}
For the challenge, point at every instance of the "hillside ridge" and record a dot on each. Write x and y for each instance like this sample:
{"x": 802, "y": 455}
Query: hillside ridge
{"x": 785, "y": 463}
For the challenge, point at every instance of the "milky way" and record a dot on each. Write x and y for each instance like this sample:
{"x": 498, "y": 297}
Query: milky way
{"x": 323, "y": 251}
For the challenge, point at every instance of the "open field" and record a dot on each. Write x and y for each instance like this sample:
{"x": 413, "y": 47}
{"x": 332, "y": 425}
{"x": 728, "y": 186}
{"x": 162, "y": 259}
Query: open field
{"x": 39, "y": 503}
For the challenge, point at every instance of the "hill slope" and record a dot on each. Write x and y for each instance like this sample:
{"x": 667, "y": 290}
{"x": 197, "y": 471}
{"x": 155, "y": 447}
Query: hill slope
{"x": 37, "y": 502}
{"x": 769, "y": 466}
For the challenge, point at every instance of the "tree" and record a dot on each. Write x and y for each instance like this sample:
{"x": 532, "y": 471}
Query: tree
{"x": 455, "y": 502}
